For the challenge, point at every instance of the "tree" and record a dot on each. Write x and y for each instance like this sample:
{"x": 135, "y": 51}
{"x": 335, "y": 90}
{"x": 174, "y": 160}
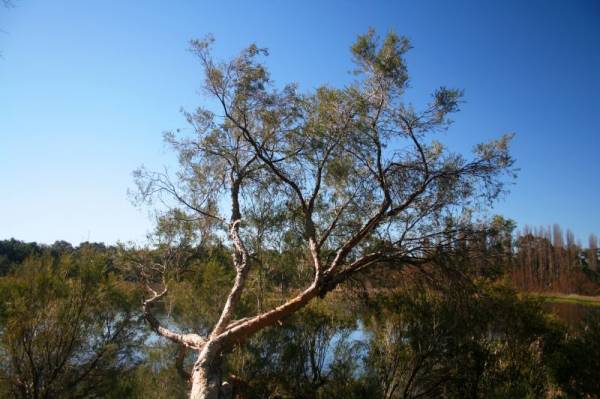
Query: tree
{"x": 67, "y": 329}
{"x": 351, "y": 178}
{"x": 593, "y": 252}
{"x": 433, "y": 344}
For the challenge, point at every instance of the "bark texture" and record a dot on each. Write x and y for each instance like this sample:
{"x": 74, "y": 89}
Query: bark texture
{"x": 206, "y": 375}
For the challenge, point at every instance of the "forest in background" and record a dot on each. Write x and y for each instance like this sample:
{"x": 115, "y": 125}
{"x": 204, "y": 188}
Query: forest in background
{"x": 339, "y": 193}
{"x": 535, "y": 260}
{"x": 71, "y": 323}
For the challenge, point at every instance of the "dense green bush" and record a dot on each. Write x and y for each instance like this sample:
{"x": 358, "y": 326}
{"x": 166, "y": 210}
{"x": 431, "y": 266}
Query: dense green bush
{"x": 70, "y": 326}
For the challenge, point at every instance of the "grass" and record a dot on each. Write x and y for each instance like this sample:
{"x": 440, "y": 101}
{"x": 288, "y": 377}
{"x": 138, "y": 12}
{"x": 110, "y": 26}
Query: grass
{"x": 572, "y": 298}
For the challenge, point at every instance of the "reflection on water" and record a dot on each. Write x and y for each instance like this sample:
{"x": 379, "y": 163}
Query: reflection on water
{"x": 570, "y": 313}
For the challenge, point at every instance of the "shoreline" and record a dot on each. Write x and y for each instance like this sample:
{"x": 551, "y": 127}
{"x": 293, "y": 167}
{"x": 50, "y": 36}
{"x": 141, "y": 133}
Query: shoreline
{"x": 568, "y": 298}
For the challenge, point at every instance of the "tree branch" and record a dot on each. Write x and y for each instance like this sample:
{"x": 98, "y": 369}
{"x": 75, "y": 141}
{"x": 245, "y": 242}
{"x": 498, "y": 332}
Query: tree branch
{"x": 190, "y": 340}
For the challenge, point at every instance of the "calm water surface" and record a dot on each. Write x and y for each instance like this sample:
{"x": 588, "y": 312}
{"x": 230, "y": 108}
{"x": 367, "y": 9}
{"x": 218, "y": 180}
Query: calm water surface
{"x": 571, "y": 313}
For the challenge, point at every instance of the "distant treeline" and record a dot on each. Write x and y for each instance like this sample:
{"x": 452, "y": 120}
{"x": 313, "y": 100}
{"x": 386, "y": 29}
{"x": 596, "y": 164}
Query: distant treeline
{"x": 548, "y": 260}
{"x": 14, "y": 252}
{"x": 543, "y": 259}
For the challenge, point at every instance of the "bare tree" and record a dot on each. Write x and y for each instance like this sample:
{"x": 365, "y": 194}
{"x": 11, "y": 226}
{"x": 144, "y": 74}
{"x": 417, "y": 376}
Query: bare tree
{"x": 593, "y": 252}
{"x": 352, "y": 172}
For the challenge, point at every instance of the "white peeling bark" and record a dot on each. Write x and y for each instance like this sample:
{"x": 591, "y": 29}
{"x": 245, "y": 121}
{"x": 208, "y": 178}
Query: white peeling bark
{"x": 206, "y": 374}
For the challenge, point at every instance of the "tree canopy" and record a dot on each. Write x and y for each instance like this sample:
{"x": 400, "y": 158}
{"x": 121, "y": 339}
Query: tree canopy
{"x": 349, "y": 177}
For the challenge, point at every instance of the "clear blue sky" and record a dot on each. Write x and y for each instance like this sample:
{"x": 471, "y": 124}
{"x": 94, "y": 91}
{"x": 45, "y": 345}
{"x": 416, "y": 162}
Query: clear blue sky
{"x": 87, "y": 88}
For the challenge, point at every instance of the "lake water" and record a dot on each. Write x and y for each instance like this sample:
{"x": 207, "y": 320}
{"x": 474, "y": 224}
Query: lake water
{"x": 571, "y": 313}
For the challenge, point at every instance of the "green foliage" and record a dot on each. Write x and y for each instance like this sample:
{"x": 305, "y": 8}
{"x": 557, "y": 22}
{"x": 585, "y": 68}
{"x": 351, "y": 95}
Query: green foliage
{"x": 68, "y": 328}
{"x": 386, "y": 60}
{"x": 310, "y": 190}
{"x": 482, "y": 343}
{"x": 305, "y": 357}
{"x": 64, "y": 314}
{"x": 196, "y": 301}
{"x": 576, "y": 364}
{"x": 156, "y": 377}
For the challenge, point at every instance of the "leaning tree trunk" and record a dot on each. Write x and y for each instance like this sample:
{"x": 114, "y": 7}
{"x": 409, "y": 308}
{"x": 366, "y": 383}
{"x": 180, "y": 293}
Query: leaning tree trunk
{"x": 206, "y": 375}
